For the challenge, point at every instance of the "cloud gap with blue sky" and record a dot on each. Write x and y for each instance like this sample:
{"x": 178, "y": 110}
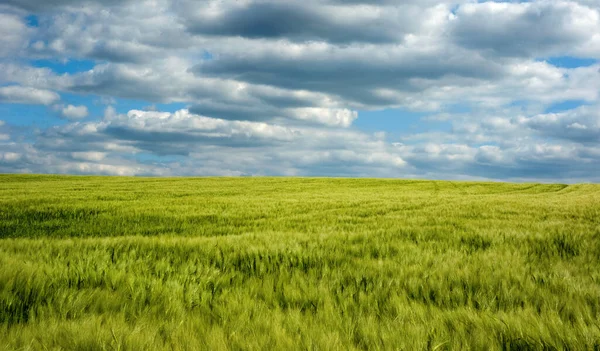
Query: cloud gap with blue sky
{"x": 447, "y": 89}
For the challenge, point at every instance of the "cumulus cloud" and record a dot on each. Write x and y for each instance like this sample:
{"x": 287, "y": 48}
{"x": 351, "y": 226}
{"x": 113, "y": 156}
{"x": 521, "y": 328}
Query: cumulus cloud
{"x": 113, "y": 31}
{"x": 578, "y": 125}
{"x": 4, "y": 135}
{"x": 13, "y": 35}
{"x": 533, "y": 160}
{"x": 72, "y": 112}
{"x": 15, "y": 94}
{"x": 524, "y": 29}
{"x": 240, "y": 147}
{"x": 89, "y": 156}
{"x": 271, "y": 87}
{"x": 333, "y": 117}
{"x": 40, "y": 78}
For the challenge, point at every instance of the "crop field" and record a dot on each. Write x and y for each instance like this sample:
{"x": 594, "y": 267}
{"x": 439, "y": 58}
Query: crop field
{"x": 103, "y": 263}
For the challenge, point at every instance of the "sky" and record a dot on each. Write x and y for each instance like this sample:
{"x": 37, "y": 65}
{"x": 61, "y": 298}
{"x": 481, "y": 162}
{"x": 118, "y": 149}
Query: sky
{"x": 450, "y": 89}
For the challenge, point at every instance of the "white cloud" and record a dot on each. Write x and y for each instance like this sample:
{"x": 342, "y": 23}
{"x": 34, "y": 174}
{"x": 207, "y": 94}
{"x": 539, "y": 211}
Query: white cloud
{"x": 239, "y": 147}
{"x": 15, "y": 94}
{"x": 332, "y": 117}
{"x": 283, "y": 89}
{"x": 3, "y": 135}
{"x": 13, "y": 35}
{"x": 40, "y": 78}
{"x": 71, "y": 112}
{"x": 89, "y": 156}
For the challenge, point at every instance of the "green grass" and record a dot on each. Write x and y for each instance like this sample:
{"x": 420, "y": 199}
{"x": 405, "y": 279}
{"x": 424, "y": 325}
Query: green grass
{"x": 96, "y": 263}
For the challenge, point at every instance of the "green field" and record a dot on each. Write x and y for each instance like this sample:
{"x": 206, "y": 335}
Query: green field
{"x": 102, "y": 263}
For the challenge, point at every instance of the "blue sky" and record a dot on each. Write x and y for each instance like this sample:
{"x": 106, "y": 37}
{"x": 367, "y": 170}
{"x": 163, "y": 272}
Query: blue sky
{"x": 414, "y": 89}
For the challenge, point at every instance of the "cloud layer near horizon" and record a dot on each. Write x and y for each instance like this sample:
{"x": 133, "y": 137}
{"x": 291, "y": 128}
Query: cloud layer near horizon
{"x": 499, "y": 90}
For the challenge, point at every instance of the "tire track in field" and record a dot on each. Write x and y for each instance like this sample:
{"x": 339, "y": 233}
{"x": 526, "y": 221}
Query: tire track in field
{"x": 561, "y": 187}
{"x": 461, "y": 189}
{"x": 430, "y": 200}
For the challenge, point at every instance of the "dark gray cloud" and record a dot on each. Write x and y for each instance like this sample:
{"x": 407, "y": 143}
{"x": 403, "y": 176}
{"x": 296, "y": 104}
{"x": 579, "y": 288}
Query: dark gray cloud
{"x": 354, "y": 73}
{"x": 233, "y": 112}
{"x": 527, "y": 159}
{"x": 579, "y": 125}
{"x": 523, "y": 29}
{"x": 304, "y": 21}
